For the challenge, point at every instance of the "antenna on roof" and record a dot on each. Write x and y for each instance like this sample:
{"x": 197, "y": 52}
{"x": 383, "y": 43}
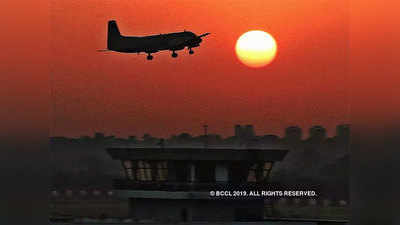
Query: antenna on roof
{"x": 205, "y": 136}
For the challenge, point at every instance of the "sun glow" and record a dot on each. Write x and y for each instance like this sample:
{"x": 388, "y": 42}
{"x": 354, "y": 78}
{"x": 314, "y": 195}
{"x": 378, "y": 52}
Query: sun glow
{"x": 256, "y": 48}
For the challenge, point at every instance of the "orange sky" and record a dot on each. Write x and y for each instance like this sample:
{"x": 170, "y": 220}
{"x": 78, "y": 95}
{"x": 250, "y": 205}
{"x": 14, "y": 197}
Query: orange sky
{"x": 124, "y": 94}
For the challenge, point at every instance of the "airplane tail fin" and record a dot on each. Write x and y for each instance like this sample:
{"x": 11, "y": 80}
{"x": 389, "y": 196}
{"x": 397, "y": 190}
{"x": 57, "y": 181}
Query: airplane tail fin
{"x": 113, "y": 34}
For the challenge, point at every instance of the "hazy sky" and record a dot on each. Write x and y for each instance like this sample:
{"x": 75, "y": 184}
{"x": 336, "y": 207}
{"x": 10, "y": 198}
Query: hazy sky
{"x": 124, "y": 94}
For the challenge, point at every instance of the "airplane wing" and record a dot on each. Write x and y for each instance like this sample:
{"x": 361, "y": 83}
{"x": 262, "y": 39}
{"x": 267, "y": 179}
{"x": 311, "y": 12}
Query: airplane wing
{"x": 183, "y": 42}
{"x": 178, "y": 42}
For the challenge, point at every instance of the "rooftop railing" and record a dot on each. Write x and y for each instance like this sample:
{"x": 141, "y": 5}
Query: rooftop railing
{"x": 124, "y": 184}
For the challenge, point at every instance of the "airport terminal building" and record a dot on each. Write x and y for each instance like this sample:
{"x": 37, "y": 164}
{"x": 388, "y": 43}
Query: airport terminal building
{"x": 173, "y": 185}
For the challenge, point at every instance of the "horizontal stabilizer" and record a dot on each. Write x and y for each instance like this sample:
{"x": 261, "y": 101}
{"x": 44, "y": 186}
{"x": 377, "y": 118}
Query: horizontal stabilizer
{"x": 103, "y": 50}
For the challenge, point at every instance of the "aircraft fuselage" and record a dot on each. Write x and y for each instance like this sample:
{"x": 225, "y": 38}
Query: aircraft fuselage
{"x": 151, "y": 44}
{"x": 155, "y": 43}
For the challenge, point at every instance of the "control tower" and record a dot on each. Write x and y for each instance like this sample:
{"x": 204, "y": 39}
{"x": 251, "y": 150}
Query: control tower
{"x": 173, "y": 185}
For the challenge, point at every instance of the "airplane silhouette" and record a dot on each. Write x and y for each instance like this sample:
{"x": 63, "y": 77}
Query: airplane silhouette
{"x": 151, "y": 44}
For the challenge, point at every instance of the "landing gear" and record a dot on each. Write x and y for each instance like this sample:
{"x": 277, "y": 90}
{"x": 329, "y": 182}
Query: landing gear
{"x": 149, "y": 57}
{"x": 191, "y": 51}
{"x": 174, "y": 54}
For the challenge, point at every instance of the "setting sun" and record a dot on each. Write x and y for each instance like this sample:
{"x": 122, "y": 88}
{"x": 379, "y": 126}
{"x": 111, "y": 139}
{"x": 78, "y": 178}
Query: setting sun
{"x": 256, "y": 48}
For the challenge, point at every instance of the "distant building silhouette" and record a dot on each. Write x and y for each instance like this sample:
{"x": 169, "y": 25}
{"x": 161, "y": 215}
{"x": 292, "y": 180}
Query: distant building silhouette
{"x": 244, "y": 131}
{"x": 99, "y": 136}
{"x": 293, "y": 134}
{"x": 317, "y": 133}
{"x": 249, "y": 131}
{"x": 238, "y": 130}
{"x": 343, "y": 131}
{"x": 132, "y": 139}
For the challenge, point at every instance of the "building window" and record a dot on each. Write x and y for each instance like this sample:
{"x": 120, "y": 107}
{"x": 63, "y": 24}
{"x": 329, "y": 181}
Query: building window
{"x": 128, "y": 165}
{"x": 143, "y": 171}
{"x": 266, "y": 170}
{"x": 162, "y": 171}
{"x": 221, "y": 173}
{"x": 252, "y": 173}
{"x": 259, "y": 172}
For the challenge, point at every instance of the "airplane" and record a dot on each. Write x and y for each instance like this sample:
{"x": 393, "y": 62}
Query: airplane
{"x": 151, "y": 44}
